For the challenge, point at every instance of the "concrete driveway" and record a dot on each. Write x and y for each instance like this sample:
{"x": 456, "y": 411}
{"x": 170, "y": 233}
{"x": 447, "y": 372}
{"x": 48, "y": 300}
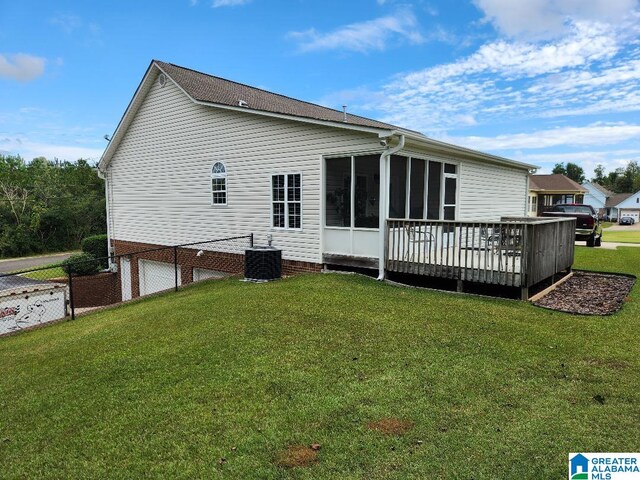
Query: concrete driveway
{"x": 13, "y": 264}
{"x": 618, "y": 227}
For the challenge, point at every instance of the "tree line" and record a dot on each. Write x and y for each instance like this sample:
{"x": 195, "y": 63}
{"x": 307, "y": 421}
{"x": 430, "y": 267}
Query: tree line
{"x": 621, "y": 180}
{"x": 48, "y": 206}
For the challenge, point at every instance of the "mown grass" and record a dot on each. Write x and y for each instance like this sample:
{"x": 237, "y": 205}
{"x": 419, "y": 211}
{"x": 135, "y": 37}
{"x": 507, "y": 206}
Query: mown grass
{"x": 622, "y": 236}
{"x": 170, "y": 386}
{"x": 47, "y": 272}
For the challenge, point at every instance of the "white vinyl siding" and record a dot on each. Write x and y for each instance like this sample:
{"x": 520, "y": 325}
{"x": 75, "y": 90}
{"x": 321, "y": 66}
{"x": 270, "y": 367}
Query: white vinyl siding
{"x": 160, "y": 174}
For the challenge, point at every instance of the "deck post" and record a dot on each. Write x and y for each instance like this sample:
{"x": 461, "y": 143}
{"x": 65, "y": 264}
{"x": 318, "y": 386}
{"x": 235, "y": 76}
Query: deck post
{"x": 460, "y": 286}
{"x": 524, "y": 293}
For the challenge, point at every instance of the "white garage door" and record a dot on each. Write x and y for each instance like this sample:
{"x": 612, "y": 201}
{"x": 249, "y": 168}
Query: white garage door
{"x": 156, "y": 276}
{"x": 635, "y": 214}
{"x": 204, "y": 274}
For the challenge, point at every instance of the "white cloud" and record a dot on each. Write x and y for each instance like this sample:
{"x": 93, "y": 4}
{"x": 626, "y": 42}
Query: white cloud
{"x": 228, "y": 3}
{"x": 21, "y": 66}
{"x": 29, "y": 149}
{"x": 67, "y": 22}
{"x": 595, "y": 134}
{"x": 548, "y": 18}
{"x": 595, "y": 69}
{"x": 363, "y": 36}
{"x": 588, "y": 42}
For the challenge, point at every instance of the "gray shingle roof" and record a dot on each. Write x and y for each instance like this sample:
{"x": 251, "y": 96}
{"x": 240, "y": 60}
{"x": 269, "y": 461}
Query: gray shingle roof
{"x": 211, "y": 89}
{"x": 616, "y": 198}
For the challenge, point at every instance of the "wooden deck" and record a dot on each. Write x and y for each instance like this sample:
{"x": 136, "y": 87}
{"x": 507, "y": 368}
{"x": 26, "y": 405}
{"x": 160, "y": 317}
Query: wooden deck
{"x": 516, "y": 252}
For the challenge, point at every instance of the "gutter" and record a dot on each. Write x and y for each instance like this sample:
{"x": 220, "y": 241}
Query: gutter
{"x": 384, "y": 200}
{"x": 456, "y": 149}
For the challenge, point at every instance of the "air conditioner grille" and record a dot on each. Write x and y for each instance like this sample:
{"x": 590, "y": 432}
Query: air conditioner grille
{"x": 262, "y": 263}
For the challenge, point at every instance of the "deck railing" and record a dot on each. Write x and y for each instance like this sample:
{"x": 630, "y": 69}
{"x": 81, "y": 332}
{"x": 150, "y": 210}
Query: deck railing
{"x": 516, "y": 252}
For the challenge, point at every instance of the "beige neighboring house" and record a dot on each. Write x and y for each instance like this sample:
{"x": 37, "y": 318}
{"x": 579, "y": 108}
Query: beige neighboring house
{"x": 548, "y": 190}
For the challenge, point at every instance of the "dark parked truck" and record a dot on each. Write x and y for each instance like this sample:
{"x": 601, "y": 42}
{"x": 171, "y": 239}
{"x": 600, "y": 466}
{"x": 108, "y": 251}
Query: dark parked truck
{"x": 587, "y": 223}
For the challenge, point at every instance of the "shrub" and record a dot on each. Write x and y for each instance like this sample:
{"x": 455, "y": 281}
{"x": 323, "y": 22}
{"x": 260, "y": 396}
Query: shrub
{"x": 97, "y": 245}
{"x": 81, "y": 264}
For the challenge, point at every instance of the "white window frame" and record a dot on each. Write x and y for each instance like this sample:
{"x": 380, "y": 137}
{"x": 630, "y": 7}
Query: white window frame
{"x": 286, "y": 201}
{"x": 446, "y": 175}
{"x": 443, "y": 175}
{"x": 218, "y": 176}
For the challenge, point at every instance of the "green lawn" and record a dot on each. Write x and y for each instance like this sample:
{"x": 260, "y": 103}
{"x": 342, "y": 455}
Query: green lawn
{"x": 47, "y": 272}
{"x": 623, "y": 236}
{"x": 169, "y": 386}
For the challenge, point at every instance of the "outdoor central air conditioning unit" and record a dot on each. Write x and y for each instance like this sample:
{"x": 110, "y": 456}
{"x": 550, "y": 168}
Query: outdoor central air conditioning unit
{"x": 262, "y": 264}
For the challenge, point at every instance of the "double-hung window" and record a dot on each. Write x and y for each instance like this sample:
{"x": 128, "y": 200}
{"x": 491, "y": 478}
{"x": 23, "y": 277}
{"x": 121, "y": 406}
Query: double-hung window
{"x": 218, "y": 184}
{"x": 286, "y": 200}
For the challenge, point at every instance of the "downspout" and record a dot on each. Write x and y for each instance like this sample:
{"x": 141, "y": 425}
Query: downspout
{"x": 103, "y": 175}
{"x": 384, "y": 202}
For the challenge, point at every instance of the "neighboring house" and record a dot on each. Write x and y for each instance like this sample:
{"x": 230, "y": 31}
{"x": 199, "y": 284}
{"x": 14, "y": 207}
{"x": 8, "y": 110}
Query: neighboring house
{"x": 629, "y": 206}
{"x": 597, "y": 196}
{"x": 608, "y": 204}
{"x": 197, "y": 157}
{"x": 548, "y": 190}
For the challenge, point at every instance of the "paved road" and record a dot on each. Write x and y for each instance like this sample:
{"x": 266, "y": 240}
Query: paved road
{"x": 13, "y": 264}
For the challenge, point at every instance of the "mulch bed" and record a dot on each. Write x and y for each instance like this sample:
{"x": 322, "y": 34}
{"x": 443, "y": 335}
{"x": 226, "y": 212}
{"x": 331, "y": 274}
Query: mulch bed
{"x": 589, "y": 294}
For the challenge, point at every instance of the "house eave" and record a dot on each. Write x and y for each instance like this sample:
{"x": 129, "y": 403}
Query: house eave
{"x": 448, "y": 148}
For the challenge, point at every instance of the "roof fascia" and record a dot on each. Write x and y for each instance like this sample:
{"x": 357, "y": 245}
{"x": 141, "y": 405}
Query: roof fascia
{"x": 467, "y": 152}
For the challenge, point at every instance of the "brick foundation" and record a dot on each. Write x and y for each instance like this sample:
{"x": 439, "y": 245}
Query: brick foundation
{"x": 188, "y": 259}
{"x": 95, "y": 290}
{"x": 292, "y": 267}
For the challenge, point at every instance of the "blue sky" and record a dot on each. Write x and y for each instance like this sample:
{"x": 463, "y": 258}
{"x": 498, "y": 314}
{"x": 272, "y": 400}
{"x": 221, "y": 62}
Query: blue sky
{"x": 541, "y": 81}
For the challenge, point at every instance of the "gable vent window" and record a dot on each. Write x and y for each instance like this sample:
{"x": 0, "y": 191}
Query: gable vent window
{"x": 218, "y": 184}
{"x": 286, "y": 201}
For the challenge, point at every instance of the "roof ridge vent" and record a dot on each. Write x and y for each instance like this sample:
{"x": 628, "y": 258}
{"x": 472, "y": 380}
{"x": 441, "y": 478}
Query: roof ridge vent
{"x": 242, "y": 103}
